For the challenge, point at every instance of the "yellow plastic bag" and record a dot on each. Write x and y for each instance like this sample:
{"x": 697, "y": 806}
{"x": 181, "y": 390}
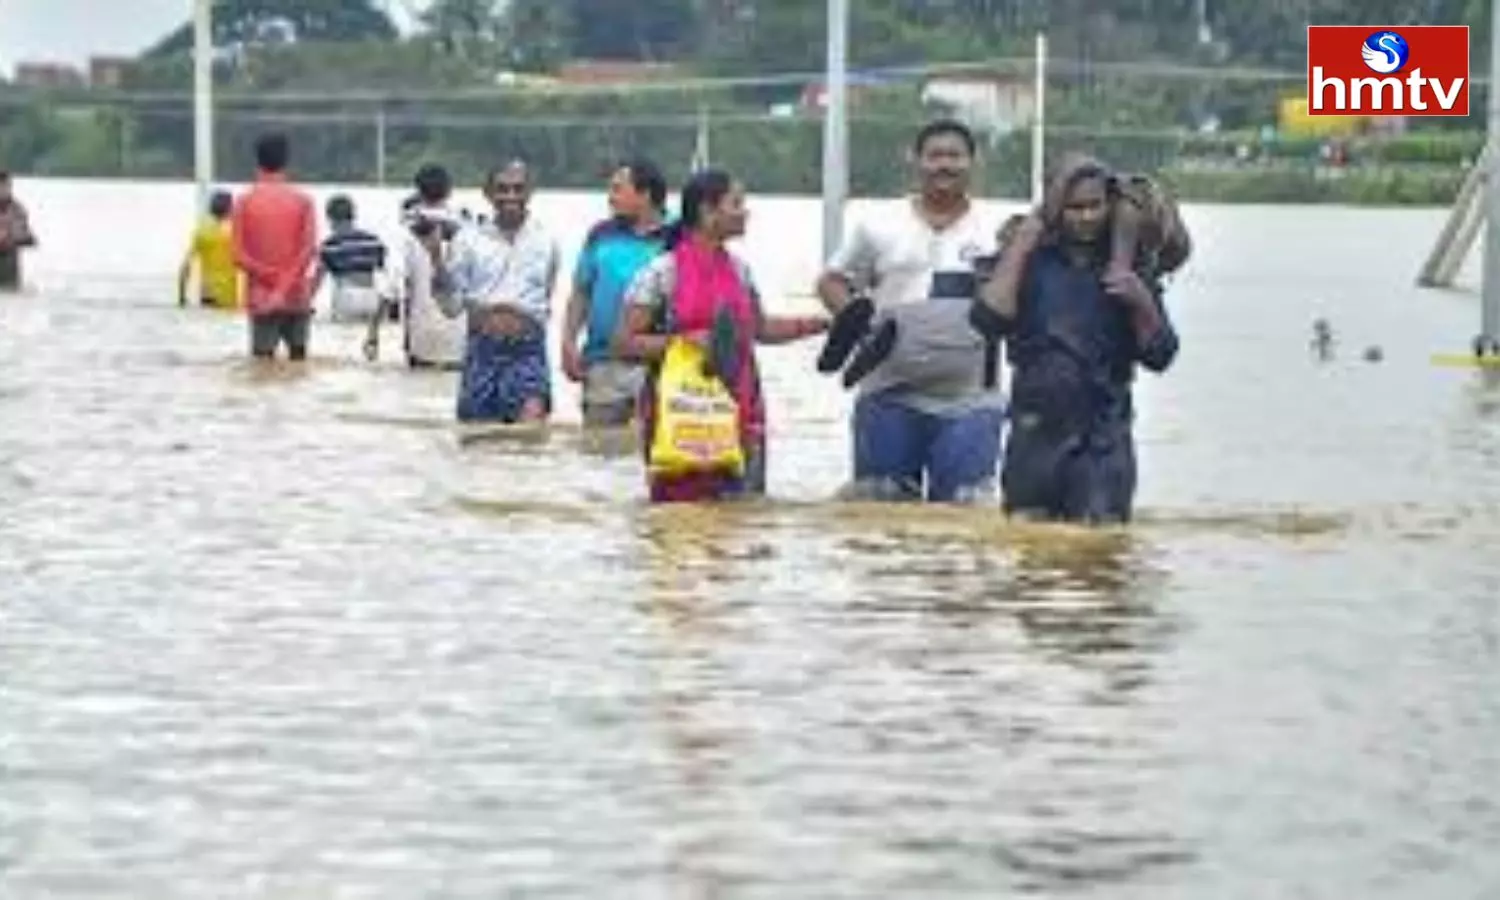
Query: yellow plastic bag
{"x": 697, "y": 419}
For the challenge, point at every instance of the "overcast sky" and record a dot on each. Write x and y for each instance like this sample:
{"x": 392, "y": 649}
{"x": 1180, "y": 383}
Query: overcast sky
{"x": 71, "y": 31}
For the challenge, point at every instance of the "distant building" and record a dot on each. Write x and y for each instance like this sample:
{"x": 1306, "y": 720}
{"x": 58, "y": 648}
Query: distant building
{"x": 511, "y": 79}
{"x": 996, "y": 104}
{"x": 814, "y": 96}
{"x": 108, "y": 71}
{"x": 48, "y": 75}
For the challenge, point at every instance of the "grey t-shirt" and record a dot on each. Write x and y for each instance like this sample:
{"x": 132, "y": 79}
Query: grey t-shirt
{"x": 922, "y": 278}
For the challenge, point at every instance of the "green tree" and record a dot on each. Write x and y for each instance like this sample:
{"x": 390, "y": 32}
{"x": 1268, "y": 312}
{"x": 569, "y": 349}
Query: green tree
{"x": 468, "y": 28}
{"x": 658, "y": 30}
{"x": 782, "y": 36}
{"x": 241, "y": 22}
{"x": 536, "y": 34}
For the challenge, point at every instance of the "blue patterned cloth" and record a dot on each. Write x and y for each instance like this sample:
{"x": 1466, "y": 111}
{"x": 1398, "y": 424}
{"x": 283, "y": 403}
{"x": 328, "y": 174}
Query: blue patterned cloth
{"x": 500, "y": 374}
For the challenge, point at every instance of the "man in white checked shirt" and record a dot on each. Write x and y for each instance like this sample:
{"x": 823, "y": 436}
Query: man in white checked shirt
{"x": 501, "y": 275}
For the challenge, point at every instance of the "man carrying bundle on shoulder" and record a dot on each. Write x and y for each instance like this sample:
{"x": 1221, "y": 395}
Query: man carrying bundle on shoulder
{"x": 1076, "y": 297}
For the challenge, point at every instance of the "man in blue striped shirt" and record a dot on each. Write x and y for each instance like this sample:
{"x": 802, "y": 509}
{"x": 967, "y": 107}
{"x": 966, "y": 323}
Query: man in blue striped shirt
{"x": 352, "y": 256}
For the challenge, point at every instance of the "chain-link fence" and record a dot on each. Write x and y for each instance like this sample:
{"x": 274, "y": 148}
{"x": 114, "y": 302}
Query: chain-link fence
{"x": 1218, "y": 133}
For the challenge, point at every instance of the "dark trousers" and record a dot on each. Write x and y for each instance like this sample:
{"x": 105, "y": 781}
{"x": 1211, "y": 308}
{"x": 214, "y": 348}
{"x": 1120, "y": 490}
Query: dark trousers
{"x": 1087, "y": 476}
{"x": 270, "y": 330}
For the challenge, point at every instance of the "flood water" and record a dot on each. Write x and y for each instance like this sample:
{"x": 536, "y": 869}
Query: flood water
{"x": 280, "y": 634}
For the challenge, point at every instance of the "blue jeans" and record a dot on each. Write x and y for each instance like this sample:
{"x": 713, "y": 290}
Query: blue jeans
{"x": 899, "y": 450}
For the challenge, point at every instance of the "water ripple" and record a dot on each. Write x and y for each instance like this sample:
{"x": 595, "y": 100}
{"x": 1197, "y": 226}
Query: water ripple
{"x": 286, "y": 632}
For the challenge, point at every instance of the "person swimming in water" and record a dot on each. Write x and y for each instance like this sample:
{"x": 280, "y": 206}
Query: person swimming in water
{"x": 211, "y": 251}
{"x": 1322, "y": 339}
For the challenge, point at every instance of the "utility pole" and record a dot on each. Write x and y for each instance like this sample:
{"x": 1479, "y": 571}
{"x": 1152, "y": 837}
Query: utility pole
{"x": 836, "y": 127}
{"x": 203, "y": 104}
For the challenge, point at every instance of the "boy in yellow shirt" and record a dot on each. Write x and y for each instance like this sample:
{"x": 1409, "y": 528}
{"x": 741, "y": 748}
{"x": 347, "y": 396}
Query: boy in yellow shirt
{"x": 212, "y": 248}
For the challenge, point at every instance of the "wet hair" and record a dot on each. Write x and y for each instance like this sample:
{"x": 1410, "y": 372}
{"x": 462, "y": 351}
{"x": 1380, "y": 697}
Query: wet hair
{"x": 705, "y": 189}
{"x": 646, "y": 177}
{"x": 941, "y": 127}
{"x": 220, "y": 203}
{"x": 433, "y": 183}
{"x": 1069, "y": 171}
{"x": 272, "y": 152}
{"x": 340, "y": 208}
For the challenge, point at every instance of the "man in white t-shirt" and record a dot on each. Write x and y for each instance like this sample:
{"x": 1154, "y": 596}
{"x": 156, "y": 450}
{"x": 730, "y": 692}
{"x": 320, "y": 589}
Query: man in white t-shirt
{"x": 430, "y": 339}
{"x": 929, "y": 415}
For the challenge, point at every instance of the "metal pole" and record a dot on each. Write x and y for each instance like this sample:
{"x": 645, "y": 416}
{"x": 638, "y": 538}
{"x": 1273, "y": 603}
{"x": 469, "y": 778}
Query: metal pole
{"x": 701, "y": 159}
{"x": 1454, "y": 242}
{"x": 705, "y": 146}
{"x": 1489, "y": 321}
{"x": 380, "y": 145}
{"x": 836, "y": 127}
{"x": 1039, "y": 122}
{"x": 203, "y": 110}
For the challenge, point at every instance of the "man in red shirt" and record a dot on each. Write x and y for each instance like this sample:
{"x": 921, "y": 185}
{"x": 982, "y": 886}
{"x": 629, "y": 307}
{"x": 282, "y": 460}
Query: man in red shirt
{"x": 275, "y": 242}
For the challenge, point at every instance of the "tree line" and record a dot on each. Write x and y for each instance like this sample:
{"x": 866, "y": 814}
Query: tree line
{"x": 737, "y": 36}
{"x": 433, "y": 81}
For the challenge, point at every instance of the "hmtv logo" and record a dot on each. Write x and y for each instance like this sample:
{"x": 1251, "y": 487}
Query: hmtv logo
{"x": 1361, "y": 70}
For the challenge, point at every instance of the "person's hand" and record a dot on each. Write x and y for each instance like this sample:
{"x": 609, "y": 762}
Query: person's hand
{"x": 1127, "y": 286}
{"x": 1029, "y": 231}
{"x": 812, "y": 326}
{"x": 1117, "y": 271}
{"x": 572, "y": 363}
{"x": 283, "y": 290}
{"x": 505, "y": 322}
{"x": 703, "y": 340}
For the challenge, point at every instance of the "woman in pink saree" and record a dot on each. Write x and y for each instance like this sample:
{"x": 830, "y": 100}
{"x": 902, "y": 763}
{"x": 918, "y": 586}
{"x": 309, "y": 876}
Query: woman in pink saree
{"x": 700, "y": 291}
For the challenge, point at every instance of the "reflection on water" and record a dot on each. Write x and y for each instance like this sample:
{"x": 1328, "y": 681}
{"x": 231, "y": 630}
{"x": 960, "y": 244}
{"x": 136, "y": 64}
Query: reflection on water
{"x": 1091, "y": 598}
{"x": 1485, "y": 393}
{"x": 288, "y": 630}
{"x": 958, "y": 667}
{"x": 689, "y": 554}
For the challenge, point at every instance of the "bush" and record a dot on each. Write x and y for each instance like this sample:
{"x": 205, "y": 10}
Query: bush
{"x": 1352, "y": 186}
{"x": 1452, "y": 148}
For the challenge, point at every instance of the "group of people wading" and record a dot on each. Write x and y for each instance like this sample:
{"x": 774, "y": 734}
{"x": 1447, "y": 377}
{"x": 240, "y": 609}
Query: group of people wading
{"x": 920, "y": 308}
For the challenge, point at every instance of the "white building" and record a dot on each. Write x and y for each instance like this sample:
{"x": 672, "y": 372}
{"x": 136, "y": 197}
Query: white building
{"x": 995, "y": 104}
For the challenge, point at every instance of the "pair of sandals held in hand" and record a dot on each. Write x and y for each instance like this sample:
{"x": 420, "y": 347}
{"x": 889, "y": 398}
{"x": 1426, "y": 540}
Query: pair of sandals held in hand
{"x": 857, "y": 346}
{"x": 852, "y": 345}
